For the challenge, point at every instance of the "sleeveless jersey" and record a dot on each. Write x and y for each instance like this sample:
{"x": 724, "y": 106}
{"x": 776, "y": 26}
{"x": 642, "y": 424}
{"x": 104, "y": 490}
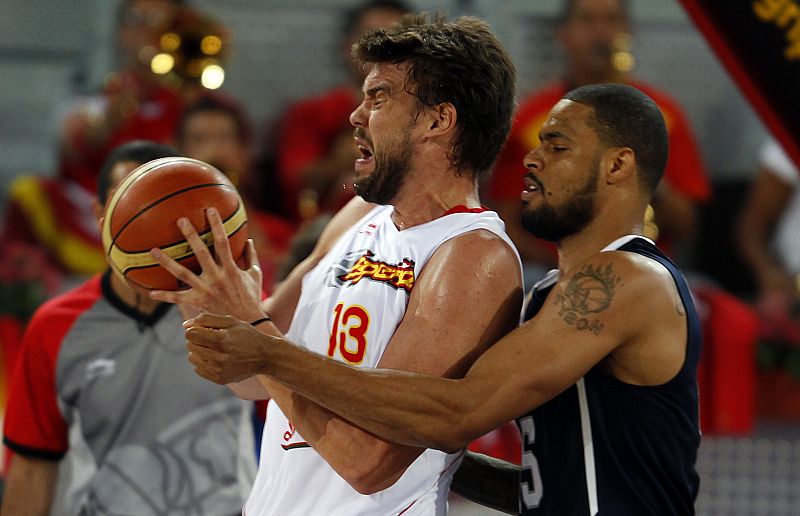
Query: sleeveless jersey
{"x": 611, "y": 448}
{"x": 350, "y": 306}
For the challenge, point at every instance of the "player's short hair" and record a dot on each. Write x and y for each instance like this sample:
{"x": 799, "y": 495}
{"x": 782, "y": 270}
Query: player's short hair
{"x": 139, "y": 151}
{"x": 460, "y": 62}
{"x": 623, "y": 116}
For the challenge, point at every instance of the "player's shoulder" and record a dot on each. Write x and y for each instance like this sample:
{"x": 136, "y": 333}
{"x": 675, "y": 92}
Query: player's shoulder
{"x": 479, "y": 241}
{"x": 479, "y": 249}
{"x": 633, "y": 278}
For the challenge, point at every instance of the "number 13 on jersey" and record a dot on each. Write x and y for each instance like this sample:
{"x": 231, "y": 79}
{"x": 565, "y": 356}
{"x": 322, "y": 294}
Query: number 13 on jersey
{"x": 349, "y": 333}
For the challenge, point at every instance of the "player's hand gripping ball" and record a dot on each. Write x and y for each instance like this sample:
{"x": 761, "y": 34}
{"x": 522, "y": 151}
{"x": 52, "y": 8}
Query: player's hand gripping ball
{"x": 143, "y": 212}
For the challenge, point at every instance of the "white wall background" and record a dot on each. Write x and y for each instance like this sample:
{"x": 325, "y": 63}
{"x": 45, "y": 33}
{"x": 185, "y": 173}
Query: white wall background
{"x": 284, "y": 49}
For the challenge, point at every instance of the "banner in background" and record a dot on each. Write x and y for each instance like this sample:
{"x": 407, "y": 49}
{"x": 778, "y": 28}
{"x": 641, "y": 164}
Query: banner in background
{"x": 758, "y": 41}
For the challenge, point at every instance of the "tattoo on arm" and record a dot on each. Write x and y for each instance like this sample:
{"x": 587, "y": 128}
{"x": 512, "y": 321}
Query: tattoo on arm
{"x": 588, "y": 292}
{"x": 488, "y": 481}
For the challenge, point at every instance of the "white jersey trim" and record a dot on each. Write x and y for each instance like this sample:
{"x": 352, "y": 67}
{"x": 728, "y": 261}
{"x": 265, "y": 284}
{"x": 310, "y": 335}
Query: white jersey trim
{"x": 588, "y": 448}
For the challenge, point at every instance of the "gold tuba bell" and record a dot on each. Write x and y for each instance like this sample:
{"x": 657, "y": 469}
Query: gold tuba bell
{"x": 193, "y": 49}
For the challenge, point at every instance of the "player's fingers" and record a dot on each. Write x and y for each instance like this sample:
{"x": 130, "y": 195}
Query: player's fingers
{"x": 180, "y": 272}
{"x": 199, "y": 247}
{"x": 222, "y": 247}
{"x": 203, "y": 369}
{"x": 168, "y": 296}
{"x": 204, "y": 353}
{"x": 251, "y": 255}
{"x": 252, "y": 264}
{"x": 208, "y": 320}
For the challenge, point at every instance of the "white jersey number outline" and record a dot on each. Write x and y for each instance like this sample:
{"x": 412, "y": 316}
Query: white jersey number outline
{"x": 530, "y": 492}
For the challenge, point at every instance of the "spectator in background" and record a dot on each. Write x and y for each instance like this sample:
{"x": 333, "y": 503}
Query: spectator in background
{"x": 105, "y": 416}
{"x": 217, "y": 131}
{"x": 135, "y": 102}
{"x": 595, "y": 35}
{"x": 144, "y": 97}
{"x": 315, "y": 149}
{"x": 768, "y": 236}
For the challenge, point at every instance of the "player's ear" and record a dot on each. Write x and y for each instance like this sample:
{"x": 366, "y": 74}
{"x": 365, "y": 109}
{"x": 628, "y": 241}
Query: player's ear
{"x": 443, "y": 119}
{"x": 620, "y": 164}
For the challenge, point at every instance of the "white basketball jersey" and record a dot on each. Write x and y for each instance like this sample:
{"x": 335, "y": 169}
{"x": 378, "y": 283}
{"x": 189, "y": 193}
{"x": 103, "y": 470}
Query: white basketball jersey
{"x": 350, "y": 306}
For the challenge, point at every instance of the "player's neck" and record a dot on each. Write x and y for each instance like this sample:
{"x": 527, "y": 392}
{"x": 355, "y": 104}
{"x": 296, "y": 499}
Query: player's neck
{"x": 417, "y": 205}
{"x": 603, "y": 230}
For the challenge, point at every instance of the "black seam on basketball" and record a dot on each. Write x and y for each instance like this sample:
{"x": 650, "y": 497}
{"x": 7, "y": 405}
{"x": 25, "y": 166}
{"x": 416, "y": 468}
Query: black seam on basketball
{"x": 156, "y": 203}
{"x": 170, "y": 244}
{"x": 127, "y": 182}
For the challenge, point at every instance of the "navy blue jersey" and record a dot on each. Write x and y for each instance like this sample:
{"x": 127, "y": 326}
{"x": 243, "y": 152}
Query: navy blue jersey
{"x": 607, "y": 447}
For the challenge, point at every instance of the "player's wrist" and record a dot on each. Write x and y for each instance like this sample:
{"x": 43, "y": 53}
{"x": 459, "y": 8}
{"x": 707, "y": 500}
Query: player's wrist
{"x": 264, "y": 318}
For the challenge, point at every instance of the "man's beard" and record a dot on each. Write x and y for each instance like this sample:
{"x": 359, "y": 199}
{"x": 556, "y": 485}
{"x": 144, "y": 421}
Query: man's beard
{"x": 383, "y": 184}
{"x": 557, "y": 223}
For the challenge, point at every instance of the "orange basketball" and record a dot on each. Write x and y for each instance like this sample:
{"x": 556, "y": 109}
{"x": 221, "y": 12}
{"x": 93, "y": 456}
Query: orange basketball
{"x": 145, "y": 207}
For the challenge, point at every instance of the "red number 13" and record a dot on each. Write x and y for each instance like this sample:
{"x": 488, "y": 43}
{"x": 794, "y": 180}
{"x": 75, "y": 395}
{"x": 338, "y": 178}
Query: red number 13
{"x": 356, "y": 332}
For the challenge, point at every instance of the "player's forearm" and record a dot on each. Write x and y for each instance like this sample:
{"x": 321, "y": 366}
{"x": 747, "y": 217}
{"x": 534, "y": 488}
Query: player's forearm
{"x": 488, "y": 481}
{"x": 367, "y": 463}
{"x": 250, "y": 389}
{"x": 415, "y": 410}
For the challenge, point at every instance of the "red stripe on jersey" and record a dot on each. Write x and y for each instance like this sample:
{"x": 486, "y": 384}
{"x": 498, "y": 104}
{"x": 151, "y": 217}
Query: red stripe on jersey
{"x": 33, "y": 421}
{"x": 463, "y": 209}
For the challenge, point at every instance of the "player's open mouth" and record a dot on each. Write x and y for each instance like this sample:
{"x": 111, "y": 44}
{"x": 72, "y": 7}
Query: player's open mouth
{"x": 532, "y": 185}
{"x": 365, "y": 152}
{"x": 366, "y": 158}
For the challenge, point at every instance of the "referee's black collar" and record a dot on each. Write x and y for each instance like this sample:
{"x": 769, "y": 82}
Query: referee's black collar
{"x": 131, "y": 311}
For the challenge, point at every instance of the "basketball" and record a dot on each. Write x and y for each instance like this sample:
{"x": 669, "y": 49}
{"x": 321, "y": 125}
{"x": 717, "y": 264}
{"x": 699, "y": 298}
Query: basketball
{"x": 143, "y": 212}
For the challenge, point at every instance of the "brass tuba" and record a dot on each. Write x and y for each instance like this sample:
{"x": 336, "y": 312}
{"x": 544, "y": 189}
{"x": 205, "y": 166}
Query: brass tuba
{"x": 193, "y": 50}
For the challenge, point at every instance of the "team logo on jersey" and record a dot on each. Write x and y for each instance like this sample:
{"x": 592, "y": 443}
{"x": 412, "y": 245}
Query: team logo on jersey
{"x": 100, "y": 368}
{"x": 356, "y": 267}
{"x": 368, "y": 229}
{"x": 287, "y": 437}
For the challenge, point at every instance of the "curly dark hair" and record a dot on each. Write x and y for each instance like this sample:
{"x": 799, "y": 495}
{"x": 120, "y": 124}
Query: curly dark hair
{"x": 460, "y": 62}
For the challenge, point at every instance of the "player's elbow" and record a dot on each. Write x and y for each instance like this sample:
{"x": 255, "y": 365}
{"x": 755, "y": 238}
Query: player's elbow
{"x": 378, "y": 469}
{"x": 369, "y": 483}
{"x": 452, "y": 441}
{"x": 456, "y": 432}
